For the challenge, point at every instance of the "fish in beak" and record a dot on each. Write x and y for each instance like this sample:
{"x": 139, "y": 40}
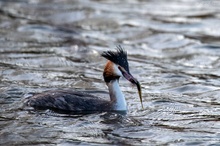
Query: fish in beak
{"x": 134, "y": 81}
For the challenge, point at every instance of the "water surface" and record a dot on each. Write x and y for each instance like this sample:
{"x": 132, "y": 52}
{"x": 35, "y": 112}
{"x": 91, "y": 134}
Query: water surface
{"x": 173, "y": 50}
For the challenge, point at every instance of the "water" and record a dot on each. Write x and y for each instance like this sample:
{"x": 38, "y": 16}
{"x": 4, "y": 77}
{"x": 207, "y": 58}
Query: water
{"x": 173, "y": 51}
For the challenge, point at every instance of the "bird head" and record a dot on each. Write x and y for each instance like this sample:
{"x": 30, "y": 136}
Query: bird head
{"x": 117, "y": 66}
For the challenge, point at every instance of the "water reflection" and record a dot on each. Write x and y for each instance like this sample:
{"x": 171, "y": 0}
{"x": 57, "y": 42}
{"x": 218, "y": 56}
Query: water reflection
{"x": 173, "y": 50}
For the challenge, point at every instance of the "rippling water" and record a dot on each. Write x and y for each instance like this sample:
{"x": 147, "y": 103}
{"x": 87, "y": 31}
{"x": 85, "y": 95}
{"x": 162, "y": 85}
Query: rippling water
{"x": 173, "y": 49}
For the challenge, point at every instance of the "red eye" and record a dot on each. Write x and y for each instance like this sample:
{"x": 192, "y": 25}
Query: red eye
{"x": 121, "y": 69}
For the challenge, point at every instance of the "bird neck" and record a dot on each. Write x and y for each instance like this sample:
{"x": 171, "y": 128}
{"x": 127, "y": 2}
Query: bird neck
{"x": 116, "y": 96}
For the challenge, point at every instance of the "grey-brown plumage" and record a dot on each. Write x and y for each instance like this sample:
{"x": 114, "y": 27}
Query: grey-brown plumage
{"x": 68, "y": 100}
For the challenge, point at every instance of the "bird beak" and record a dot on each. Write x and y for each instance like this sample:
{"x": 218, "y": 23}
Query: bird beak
{"x": 134, "y": 81}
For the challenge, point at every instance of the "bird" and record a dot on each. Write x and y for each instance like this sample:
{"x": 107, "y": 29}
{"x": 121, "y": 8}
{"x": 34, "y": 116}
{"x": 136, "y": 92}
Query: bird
{"x": 82, "y": 102}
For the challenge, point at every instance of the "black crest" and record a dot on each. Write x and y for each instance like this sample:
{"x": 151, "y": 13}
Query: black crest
{"x": 118, "y": 57}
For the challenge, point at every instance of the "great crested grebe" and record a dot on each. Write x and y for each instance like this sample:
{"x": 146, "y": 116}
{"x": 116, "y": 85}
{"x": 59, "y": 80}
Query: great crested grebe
{"x": 77, "y": 101}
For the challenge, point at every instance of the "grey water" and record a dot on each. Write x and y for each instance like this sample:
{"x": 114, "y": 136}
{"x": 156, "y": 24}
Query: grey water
{"x": 173, "y": 50}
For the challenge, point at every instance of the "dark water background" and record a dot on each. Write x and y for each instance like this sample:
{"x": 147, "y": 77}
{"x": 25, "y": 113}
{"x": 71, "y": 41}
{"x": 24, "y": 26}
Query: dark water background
{"x": 173, "y": 47}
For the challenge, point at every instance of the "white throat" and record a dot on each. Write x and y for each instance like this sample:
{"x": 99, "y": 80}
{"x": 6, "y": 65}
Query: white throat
{"x": 117, "y": 97}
